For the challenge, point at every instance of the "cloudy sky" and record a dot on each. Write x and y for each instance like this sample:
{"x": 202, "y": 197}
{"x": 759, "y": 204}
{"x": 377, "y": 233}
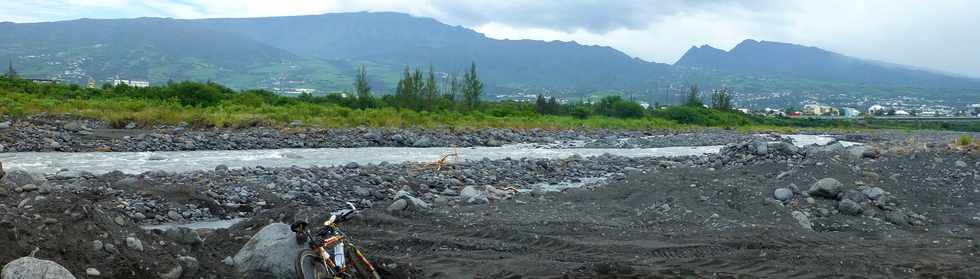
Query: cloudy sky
{"x": 934, "y": 34}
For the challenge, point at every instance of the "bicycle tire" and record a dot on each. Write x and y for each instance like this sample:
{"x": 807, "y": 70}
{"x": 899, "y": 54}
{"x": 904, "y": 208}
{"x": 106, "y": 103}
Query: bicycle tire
{"x": 362, "y": 267}
{"x": 308, "y": 265}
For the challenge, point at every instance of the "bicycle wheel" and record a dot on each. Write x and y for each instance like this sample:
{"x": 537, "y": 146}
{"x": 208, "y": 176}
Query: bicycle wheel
{"x": 362, "y": 267}
{"x": 310, "y": 266}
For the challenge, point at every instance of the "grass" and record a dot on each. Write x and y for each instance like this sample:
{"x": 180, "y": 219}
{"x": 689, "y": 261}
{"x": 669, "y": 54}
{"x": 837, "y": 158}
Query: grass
{"x": 121, "y": 110}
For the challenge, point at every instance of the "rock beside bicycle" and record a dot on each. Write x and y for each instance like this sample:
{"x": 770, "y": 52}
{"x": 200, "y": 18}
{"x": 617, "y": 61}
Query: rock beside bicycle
{"x": 269, "y": 253}
{"x": 34, "y": 268}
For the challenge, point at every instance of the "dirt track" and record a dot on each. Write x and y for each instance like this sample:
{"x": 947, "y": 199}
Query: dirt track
{"x": 624, "y": 230}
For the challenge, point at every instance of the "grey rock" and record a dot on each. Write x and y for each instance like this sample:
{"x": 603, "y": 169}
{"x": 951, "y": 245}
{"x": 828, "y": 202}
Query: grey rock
{"x": 855, "y": 195}
{"x": 18, "y": 178}
{"x": 784, "y": 148}
{"x": 352, "y": 165}
{"x": 873, "y": 193}
{"x": 761, "y": 148}
{"x": 74, "y": 126}
{"x": 130, "y": 126}
{"x": 4, "y": 125}
{"x": 413, "y": 201}
{"x": 190, "y": 264}
{"x": 173, "y": 273}
{"x": 960, "y": 164}
{"x": 222, "y": 168}
{"x": 91, "y": 271}
{"x": 97, "y": 245}
{"x": 361, "y": 191}
{"x": 119, "y": 220}
{"x": 423, "y": 141}
{"x": 827, "y": 188}
{"x": 803, "y": 220}
{"x": 398, "y": 205}
{"x": 849, "y": 207}
{"x": 783, "y": 194}
{"x": 269, "y": 253}
{"x": 296, "y": 123}
{"x": 184, "y": 236}
{"x": 228, "y": 261}
{"x": 34, "y": 268}
{"x": 472, "y": 195}
{"x": 134, "y": 243}
{"x": 128, "y": 182}
{"x": 897, "y": 217}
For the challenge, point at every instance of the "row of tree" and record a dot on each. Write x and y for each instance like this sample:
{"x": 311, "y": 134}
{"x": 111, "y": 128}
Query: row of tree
{"x": 721, "y": 99}
{"x": 422, "y": 92}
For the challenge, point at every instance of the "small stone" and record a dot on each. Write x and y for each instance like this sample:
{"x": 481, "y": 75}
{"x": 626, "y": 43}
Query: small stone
{"x": 960, "y": 164}
{"x": 849, "y": 207}
{"x": 119, "y": 220}
{"x": 97, "y": 245}
{"x": 189, "y": 263}
{"x": 92, "y": 272}
{"x": 783, "y": 194}
{"x": 228, "y": 261}
{"x": 134, "y": 243}
{"x": 173, "y": 273}
{"x": 873, "y": 193}
{"x": 361, "y": 191}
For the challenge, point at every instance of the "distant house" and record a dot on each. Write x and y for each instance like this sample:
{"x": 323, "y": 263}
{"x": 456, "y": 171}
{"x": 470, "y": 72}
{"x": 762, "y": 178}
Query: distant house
{"x": 875, "y": 109}
{"x": 902, "y": 113}
{"x": 795, "y": 113}
{"x": 132, "y": 83}
{"x": 819, "y": 110}
{"x": 42, "y": 81}
{"x": 851, "y": 112}
{"x": 774, "y": 112}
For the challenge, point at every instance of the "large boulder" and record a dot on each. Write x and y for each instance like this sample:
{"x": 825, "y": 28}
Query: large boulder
{"x": 34, "y": 268}
{"x": 270, "y": 253}
{"x": 827, "y": 188}
{"x": 19, "y": 177}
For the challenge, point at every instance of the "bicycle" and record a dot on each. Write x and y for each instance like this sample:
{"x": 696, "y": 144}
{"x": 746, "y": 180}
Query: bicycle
{"x": 317, "y": 262}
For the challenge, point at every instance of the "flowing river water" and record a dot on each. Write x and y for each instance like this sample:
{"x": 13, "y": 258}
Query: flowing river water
{"x": 183, "y": 161}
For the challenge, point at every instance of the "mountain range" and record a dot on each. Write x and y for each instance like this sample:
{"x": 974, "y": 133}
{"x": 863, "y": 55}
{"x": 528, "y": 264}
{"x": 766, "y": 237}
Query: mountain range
{"x": 323, "y": 52}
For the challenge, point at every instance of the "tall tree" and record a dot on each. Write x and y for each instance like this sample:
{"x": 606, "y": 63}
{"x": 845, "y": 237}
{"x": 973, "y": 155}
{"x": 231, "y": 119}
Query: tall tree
{"x": 693, "y": 97}
{"x": 541, "y": 105}
{"x": 405, "y": 90}
{"x": 722, "y": 99}
{"x": 553, "y": 106}
{"x": 430, "y": 91}
{"x": 363, "y": 89}
{"x": 472, "y": 88}
{"x": 11, "y": 73}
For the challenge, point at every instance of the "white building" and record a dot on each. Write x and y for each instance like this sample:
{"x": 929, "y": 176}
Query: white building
{"x": 875, "y": 109}
{"x": 902, "y": 113}
{"x": 132, "y": 83}
{"x": 851, "y": 112}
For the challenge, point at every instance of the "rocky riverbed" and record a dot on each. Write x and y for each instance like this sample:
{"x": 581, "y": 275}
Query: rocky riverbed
{"x": 894, "y": 207}
{"x": 66, "y": 134}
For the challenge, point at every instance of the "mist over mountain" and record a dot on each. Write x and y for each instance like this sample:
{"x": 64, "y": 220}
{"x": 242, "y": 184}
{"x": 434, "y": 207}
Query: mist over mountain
{"x": 323, "y": 52}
